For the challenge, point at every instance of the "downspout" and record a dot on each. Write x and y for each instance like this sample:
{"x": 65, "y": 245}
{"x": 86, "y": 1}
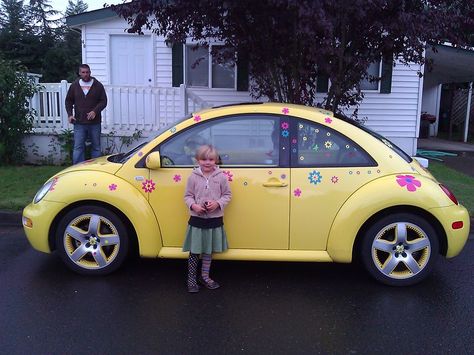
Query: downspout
{"x": 468, "y": 113}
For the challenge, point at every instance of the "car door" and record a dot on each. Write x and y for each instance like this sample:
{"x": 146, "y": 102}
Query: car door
{"x": 326, "y": 168}
{"x": 256, "y": 166}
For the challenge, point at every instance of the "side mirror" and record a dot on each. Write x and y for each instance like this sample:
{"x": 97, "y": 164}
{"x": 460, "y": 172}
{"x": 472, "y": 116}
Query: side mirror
{"x": 153, "y": 161}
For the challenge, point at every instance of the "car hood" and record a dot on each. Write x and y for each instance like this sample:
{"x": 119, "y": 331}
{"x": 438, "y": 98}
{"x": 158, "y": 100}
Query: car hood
{"x": 98, "y": 164}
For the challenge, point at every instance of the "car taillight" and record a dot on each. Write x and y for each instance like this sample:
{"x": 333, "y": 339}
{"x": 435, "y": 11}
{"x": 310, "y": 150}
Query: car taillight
{"x": 449, "y": 193}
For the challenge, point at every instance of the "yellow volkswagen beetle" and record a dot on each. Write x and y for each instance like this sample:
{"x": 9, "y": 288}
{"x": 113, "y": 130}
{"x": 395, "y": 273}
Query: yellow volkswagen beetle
{"x": 306, "y": 186}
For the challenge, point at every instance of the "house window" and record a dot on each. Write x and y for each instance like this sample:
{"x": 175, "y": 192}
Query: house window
{"x": 202, "y": 72}
{"x": 372, "y": 71}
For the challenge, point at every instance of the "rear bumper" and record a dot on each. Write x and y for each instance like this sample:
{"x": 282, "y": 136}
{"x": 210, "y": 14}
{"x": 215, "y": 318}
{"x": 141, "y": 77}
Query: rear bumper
{"x": 455, "y": 238}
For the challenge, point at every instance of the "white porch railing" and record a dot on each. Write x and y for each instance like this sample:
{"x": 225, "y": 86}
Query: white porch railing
{"x": 129, "y": 108}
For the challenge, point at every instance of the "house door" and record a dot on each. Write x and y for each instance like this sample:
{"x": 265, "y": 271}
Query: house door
{"x": 131, "y": 60}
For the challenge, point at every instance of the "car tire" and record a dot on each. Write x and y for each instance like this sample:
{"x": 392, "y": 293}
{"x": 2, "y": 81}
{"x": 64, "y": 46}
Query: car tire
{"x": 92, "y": 240}
{"x": 400, "y": 249}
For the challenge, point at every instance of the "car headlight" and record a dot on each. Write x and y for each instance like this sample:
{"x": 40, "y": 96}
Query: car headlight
{"x": 43, "y": 191}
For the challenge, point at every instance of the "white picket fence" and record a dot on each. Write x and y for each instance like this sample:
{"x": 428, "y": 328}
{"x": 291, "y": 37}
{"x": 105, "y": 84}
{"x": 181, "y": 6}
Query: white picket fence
{"x": 129, "y": 108}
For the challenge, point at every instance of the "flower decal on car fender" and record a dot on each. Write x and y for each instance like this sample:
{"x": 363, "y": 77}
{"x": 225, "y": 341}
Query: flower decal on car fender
{"x": 53, "y": 185}
{"x": 409, "y": 181}
{"x": 297, "y": 192}
{"x": 113, "y": 187}
{"x": 228, "y": 174}
{"x": 177, "y": 178}
{"x": 315, "y": 177}
{"x": 148, "y": 185}
{"x": 328, "y": 120}
{"x": 197, "y": 118}
{"x": 285, "y": 110}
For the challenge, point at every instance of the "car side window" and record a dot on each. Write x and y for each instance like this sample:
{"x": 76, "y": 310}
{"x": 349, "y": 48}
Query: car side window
{"x": 319, "y": 145}
{"x": 247, "y": 140}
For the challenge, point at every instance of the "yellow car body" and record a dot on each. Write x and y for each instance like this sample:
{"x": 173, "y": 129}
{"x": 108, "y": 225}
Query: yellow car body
{"x": 302, "y": 201}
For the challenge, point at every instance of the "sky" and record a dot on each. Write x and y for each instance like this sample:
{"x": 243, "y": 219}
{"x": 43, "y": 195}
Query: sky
{"x": 60, "y": 5}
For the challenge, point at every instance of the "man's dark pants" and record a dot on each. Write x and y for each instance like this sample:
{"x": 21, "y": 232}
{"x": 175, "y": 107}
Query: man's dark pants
{"x": 81, "y": 132}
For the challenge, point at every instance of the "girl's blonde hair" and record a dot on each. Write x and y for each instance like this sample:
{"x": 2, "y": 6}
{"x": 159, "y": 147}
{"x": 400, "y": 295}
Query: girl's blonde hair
{"x": 206, "y": 152}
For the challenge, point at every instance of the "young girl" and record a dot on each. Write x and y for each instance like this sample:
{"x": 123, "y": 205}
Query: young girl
{"x": 207, "y": 193}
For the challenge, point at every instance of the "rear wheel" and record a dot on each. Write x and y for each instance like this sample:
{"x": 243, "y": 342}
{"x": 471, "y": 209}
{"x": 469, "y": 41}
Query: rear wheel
{"x": 92, "y": 240}
{"x": 400, "y": 249}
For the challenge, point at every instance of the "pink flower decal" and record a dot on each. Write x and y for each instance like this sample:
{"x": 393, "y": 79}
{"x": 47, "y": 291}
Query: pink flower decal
{"x": 177, "y": 178}
{"x": 148, "y": 185}
{"x": 409, "y": 181}
{"x": 112, "y": 187}
{"x": 297, "y": 192}
{"x": 285, "y": 125}
{"x": 197, "y": 118}
{"x": 328, "y": 120}
{"x": 140, "y": 154}
{"x": 55, "y": 181}
{"x": 228, "y": 174}
{"x": 334, "y": 179}
{"x": 293, "y": 141}
{"x": 285, "y": 110}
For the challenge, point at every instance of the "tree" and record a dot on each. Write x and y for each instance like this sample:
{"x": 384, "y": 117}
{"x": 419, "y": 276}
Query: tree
{"x": 288, "y": 44}
{"x": 16, "y": 34}
{"x": 62, "y": 60}
{"x": 16, "y": 117}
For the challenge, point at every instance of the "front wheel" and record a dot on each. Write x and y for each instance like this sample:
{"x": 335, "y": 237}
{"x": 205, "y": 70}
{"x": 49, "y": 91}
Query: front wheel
{"x": 92, "y": 240}
{"x": 400, "y": 249}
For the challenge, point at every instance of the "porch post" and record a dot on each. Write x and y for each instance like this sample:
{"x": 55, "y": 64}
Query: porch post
{"x": 468, "y": 113}
{"x": 184, "y": 100}
{"x": 62, "y": 98}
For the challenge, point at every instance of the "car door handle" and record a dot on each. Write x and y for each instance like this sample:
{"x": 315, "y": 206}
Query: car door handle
{"x": 275, "y": 183}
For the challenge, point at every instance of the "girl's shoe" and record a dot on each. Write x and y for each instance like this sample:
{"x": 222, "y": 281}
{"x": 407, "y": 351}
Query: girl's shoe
{"x": 193, "y": 288}
{"x": 211, "y": 285}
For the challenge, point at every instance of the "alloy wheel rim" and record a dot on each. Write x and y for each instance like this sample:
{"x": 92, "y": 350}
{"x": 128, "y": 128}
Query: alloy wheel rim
{"x": 91, "y": 241}
{"x": 401, "y": 250}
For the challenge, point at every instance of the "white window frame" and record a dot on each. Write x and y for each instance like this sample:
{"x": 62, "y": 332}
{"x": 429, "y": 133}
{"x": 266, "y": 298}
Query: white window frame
{"x": 378, "y": 82}
{"x": 209, "y": 69}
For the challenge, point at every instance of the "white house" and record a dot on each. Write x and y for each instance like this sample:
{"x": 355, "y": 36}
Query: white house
{"x": 150, "y": 84}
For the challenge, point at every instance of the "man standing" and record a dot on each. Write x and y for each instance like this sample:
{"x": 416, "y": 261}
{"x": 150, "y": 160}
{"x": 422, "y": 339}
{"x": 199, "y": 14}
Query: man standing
{"x": 88, "y": 98}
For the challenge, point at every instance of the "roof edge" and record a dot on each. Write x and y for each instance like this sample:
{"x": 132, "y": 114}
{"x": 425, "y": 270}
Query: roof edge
{"x": 90, "y": 16}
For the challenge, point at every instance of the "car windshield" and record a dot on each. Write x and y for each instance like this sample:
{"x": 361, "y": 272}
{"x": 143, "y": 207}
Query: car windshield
{"x": 123, "y": 157}
{"x": 381, "y": 138}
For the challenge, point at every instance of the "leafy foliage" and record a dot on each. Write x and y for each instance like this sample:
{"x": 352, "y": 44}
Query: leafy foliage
{"x": 289, "y": 43}
{"x": 16, "y": 117}
{"x": 38, "y": 38}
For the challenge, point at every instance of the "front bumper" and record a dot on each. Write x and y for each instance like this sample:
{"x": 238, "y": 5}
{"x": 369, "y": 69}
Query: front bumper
{"x": 41, "y": 216}
{"x": 455, "y": 238}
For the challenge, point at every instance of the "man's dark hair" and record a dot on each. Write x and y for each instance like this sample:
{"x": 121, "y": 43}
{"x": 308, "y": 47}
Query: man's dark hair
{"x": 84, "y": 66}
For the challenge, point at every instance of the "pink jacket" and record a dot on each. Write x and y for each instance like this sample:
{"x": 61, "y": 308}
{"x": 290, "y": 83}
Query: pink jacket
{"x": 199, "y": 190}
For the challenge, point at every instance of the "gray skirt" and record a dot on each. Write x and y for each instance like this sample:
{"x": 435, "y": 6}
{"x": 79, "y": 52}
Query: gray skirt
{"x": 205, "y": 241}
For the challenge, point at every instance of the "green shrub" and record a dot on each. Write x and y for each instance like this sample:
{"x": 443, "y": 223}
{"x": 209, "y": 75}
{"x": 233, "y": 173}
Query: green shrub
{"x": 16, "y": 116}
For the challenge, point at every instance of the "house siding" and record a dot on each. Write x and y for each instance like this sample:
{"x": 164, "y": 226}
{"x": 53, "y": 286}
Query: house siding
{"x": 394, "y": 115}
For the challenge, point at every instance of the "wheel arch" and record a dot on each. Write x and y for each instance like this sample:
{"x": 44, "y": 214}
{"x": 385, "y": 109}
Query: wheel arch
{"x": 136, "y": 240}
{"x": 367, "y": 204}
{"x": 440, "y": 232}
{"x": 128, "y": 224}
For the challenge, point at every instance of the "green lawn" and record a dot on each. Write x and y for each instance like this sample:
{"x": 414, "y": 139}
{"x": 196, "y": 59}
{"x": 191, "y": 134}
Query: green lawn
{"x": 460, "y": 184}
{"x": 18, "y": 185}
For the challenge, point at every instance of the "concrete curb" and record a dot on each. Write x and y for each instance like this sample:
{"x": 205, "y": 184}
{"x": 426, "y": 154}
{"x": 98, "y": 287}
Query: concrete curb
{"x": 13, "y": 219}
{"x": 10, "y": 219}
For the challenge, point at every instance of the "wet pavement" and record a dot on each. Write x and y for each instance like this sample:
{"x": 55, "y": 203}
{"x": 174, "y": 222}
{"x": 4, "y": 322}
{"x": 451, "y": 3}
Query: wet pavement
{"x": 262, "y": 307}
